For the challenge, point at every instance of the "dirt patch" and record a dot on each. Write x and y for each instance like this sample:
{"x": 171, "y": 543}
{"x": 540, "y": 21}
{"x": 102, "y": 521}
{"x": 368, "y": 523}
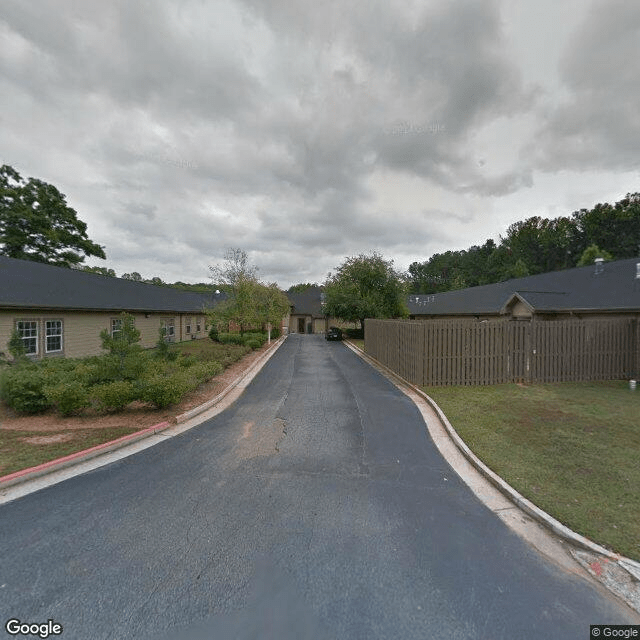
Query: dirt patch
{"x": 260, "y": 439}
{"x": 137, "y": 415}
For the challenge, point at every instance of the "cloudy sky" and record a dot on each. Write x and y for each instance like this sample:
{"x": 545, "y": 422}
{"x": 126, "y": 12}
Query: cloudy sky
{"x": 304, "y": 132}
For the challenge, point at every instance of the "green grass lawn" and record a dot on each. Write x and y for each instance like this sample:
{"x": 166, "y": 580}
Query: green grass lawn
{"x": 573, "y": 449}
{"x": 16, "y": 453}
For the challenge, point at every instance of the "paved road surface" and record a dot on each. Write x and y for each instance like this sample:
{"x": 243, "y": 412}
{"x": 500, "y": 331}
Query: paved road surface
{"x": 315, "y": 507}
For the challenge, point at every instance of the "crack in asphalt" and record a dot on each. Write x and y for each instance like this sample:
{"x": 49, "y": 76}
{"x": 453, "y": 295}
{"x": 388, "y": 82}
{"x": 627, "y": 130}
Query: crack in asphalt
{"x": 280, "y": 425}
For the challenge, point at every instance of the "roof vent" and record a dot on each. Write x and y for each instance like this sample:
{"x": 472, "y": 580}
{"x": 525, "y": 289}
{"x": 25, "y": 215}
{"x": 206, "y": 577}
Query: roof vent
{"x": 599, "y": 265}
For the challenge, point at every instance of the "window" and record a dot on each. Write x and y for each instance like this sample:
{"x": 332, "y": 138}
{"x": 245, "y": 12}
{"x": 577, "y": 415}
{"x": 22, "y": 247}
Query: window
{"x": 116, "y": 327}
{"x": 188, "y": 327}
{"x": 28, "y": 331}
{"x": 168, "y": 329}
{"x": 198, "y": 325}
{"x": 53, "y": 336}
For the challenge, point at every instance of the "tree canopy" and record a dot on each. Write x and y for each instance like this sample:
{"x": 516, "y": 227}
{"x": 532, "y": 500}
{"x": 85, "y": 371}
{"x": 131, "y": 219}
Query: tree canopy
{"x": 365, "y": 286}
{"x": 247, "y": 302}
{"x": 37, "y": 224}
{"x": 536, "y": 245}
{"x": 301, "y": 287}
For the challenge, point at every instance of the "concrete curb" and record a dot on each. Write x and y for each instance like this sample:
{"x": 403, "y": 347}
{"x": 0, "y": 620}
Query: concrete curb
{"x": 79, "y": 457}
{"x": 257, "y": 365}
{"x": 560, "y": 530}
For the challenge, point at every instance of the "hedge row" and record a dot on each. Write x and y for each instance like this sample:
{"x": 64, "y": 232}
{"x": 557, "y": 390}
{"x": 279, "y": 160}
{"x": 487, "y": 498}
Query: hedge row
{"x": 254, "y": 340}
{"x": 105, "y": 383}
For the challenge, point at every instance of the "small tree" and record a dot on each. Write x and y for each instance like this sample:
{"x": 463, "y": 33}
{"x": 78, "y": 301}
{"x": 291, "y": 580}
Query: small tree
{"x": 365, "y": 286}
{"x": 124, "y": 351}
{"x": 163, "y": 352}
{"x": 248, "y": 302}
{"x": 135, "y": 276}
{"x": 272, "y": 306}
{"x": 591, "y": 253}
{"x": 16, "y": 347}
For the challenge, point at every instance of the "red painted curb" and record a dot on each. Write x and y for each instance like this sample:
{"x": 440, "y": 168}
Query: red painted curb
{"x": 79, "y": 454}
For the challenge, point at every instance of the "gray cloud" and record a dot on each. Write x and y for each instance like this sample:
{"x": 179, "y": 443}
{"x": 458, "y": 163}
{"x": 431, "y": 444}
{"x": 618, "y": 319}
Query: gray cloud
{"x": 179, "y": 129}
{"x": 597, "y": 124}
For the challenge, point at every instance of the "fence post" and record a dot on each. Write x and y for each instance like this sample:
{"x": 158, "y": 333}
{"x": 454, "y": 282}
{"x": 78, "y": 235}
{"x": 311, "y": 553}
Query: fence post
{"x": 636, "y": 348}
{"x": 529, "y": 342}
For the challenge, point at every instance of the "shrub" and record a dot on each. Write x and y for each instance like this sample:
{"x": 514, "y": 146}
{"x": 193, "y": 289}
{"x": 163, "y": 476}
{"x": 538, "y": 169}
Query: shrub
{"x": 16, "y": 346}
{"x": 163, "y": 390}
{"x": 204, "y": 371}
{"x": 230, "y": 338}
{"x": 22, "y": 388}
{"x": 163, "y": 352}
{"x": 187, "y": 360}
{"x": 275, "y": 333}
{"x": 253, "y": 343}
{"x": 213, "y": 333}
{"x": 113, "y": 396}
{"x": 356, "y": 334}
{"x": 67, "y": 397}
{"x": 260, "y": 337}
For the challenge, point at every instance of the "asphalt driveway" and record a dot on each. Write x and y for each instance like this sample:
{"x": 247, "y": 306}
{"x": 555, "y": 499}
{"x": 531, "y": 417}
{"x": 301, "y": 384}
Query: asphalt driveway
{"x": 316, "y": 506}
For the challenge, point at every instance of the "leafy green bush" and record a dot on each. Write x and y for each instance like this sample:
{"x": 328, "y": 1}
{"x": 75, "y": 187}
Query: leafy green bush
{"x": 204, "y": 371}
{"x": 68, "y": 398}
{"x": 261, "y": 338}
{"x": 253, "y": 343}
{"x": 16, "y": 346}
{"x": 213, "y": 333}
{"x": 164, "y": 390}
{"x": 22, "y": 388}
{"x": 275, "y": 333}
{"x": 113, "y": 396}
{"x": 58, "y": 367}
{"x": 356, "y": 334}
{"x": 230, "y": 338}
{"x": 163, "y": 351}
{"x": 187, "y": 360}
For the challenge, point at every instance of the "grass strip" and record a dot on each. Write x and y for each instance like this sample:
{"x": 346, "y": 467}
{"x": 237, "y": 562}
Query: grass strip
{"x": 21, "y": 450}
{"x": 573, "y": 449}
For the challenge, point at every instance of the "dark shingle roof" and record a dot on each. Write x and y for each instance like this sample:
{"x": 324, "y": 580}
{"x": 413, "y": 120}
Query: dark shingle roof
{"x": 616, "y": 288}
{"x": 26, "y": 284}
{"x": 307, "y": 302}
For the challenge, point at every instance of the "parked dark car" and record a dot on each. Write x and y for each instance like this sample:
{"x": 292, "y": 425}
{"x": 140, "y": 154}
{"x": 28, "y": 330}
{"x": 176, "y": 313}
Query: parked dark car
{"x": 334, "y": 333}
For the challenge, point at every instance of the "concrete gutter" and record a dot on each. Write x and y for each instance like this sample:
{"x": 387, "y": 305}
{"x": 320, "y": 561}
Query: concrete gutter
{"x": 29, "y": 480}
{"x": 619, "y": 574}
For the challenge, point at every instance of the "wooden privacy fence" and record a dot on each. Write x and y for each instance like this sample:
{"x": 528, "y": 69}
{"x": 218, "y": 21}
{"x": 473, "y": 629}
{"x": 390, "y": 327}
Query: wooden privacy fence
{"x": 465, "y": 352}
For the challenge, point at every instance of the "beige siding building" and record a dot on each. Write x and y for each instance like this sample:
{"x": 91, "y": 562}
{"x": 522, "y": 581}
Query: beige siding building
{"x": 61, "y": 312}
{"x": 307, "y": 314}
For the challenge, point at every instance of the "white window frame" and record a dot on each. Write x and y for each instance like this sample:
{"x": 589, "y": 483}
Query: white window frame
{"x": 21, "y": 330}
{"x": 188, "y": 325}
{"x": 116, "y": 327}
{"x": 60, "y": 334}
{"x": 198, "y": 325}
